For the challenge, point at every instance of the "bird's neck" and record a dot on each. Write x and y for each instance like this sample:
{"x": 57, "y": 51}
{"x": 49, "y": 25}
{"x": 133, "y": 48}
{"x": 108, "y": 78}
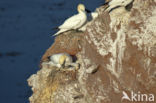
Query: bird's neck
{"x": 82, "y": 12}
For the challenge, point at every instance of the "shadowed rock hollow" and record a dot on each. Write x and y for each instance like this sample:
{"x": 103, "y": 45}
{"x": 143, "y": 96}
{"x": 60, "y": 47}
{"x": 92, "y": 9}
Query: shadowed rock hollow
{"x": 116, "y": 53}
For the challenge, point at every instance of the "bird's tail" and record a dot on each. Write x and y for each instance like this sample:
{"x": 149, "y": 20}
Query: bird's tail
{"x": 55, "y": 28}
{"x": 106, "y": 3}
{"x": 112, "y": 7}
{"x": 60, "y": 31}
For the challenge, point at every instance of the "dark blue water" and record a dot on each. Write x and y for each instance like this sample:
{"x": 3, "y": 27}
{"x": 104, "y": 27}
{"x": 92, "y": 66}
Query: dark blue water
{"x": 25, "y": 34}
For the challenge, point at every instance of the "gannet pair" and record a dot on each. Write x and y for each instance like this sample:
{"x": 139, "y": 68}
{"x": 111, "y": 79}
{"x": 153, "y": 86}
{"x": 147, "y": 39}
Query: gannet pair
{"x": 117, "y": 3}
{"x": 75, "y": 22}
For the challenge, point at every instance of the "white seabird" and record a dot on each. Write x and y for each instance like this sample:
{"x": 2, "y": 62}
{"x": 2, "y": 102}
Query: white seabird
{"x": 75, "y": 22}
{"x": 117, "y": 3}
{"x": 60, "y": 59}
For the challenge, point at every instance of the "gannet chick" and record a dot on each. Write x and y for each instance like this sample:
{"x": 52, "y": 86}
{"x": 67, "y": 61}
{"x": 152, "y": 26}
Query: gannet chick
{"x": 75, "y": 22}
{"x": 117, "y": 3}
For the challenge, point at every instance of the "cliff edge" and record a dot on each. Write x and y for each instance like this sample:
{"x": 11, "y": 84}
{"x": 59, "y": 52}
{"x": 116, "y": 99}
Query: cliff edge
{"x": 117, "y": 57}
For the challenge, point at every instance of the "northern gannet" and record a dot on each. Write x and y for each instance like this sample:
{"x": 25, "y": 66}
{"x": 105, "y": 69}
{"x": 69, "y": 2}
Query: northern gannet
{"x": 117, "y": 3}
{"x": 75, "y": 22}
{"x": 60, "y": 59}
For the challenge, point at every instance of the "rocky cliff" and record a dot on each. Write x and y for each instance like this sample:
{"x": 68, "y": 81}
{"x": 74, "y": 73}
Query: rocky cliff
{"x": 117, "y": 55}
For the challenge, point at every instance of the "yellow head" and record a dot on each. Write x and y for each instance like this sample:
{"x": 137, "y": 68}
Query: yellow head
{"x": 80, "y": 8}
{"x": 62, "y": 60}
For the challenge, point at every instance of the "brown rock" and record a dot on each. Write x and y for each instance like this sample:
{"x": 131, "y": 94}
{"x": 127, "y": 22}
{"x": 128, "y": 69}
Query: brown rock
{"x": 67, "y": 42}
{"x": 117, "y": 54}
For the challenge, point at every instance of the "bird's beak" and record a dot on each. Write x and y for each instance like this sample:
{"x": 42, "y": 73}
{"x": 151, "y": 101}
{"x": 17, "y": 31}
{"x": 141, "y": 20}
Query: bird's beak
{"x": 88, "y": 11}
{"x": 63, "y": 65}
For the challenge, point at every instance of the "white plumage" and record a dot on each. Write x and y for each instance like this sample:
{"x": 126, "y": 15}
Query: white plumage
{"x": 118, "y": 3}
{"x": 75, "y": 22}
{"x": 60, "y": 59}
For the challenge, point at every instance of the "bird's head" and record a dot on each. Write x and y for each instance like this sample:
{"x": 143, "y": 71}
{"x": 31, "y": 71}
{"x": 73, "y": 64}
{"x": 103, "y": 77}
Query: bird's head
{"x": 80, "y": 8}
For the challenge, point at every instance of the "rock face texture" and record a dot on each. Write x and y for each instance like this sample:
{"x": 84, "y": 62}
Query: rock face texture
{"x": 117, "y": 54}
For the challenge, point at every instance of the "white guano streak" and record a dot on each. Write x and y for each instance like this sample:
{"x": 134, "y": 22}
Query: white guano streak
{"x": 117, "y": 50}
